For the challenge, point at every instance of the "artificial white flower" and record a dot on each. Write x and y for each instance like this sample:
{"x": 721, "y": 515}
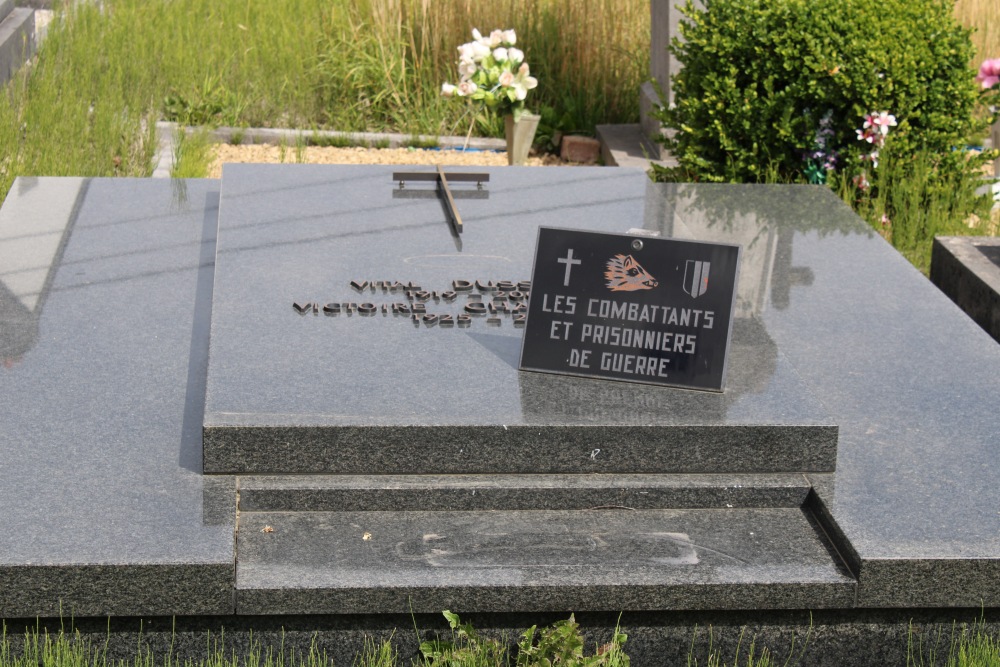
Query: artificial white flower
{"x": 479, "y": 50}
{"x": 466, "y": 68}
{"x": 466, "y": 52}
{"x": 492, "y": 72}
{"x": 523, "y": 82}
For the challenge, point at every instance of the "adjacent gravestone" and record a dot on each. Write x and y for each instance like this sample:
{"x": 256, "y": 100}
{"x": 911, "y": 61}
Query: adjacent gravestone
{"x": 967, "y": 269}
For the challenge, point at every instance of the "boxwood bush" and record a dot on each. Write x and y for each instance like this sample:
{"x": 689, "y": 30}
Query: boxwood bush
{"x": 760, "y": 76}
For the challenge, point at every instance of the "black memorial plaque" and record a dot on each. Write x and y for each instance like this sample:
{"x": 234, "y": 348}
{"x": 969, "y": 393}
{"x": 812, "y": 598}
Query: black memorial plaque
{"x": 632, "y": 308}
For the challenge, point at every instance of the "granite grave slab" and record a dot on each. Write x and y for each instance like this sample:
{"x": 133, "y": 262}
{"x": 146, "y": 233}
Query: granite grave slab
{"x": 105, "y": 297}
{"x": 105, "y": 332}
{"x": 354, "y": 332}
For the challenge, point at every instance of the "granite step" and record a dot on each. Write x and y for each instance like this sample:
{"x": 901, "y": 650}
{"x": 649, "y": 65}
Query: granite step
{"x": 538, "y": 560}
{"x": 356, "y": 493}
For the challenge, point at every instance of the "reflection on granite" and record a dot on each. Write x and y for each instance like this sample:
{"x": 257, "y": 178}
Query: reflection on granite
{"x": 100, "y": 515}
{"x": 32, "y": 240}
{"x": 910, "y": 382}
{"x": 347, "y": 562}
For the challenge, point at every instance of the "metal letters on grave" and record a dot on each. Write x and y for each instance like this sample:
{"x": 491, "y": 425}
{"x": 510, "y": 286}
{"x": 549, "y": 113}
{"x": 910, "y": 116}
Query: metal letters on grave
{"x": 631, "y": 308}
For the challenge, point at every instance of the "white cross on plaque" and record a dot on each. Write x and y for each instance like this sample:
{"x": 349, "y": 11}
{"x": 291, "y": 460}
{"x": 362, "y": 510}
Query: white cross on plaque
{"x": 569, "y": 262}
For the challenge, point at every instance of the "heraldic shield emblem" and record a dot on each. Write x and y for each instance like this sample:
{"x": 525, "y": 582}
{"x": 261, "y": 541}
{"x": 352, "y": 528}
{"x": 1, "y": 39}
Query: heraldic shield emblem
{"x": 696, "y": 278}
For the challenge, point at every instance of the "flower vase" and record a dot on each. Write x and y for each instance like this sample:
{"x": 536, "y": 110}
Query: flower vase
{"x": 520, "y": 136}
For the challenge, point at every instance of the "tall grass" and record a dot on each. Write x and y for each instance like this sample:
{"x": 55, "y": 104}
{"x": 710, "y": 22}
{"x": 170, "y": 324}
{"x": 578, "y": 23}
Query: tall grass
{"x": 969, "y": 646}
{"x": 77, "y": 111}
{"x": 108, "y": 70}
{"x": 913, "y": 198}
{"x": 590, "y": 59}
{"x": 984, "y": 17}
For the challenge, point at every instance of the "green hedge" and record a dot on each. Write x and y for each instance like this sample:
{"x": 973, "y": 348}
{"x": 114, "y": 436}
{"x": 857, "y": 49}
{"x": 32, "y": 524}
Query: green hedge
{"x": 758, "y": 77}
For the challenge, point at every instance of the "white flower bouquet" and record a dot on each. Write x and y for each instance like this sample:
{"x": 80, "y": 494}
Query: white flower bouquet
{"x": 493, "y": 72}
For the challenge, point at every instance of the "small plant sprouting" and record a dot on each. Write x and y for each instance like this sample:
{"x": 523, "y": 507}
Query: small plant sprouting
{"x": 465, "y": 648}
{"x": 560, "y": 644}
{"x": 377, "y": 654}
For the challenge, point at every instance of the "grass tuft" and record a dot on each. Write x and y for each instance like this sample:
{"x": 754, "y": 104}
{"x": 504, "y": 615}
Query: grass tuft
{"x": 192, "y": 154}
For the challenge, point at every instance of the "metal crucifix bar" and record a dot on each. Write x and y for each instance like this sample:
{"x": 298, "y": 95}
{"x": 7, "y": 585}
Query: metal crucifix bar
{"x": 442, "y": 178}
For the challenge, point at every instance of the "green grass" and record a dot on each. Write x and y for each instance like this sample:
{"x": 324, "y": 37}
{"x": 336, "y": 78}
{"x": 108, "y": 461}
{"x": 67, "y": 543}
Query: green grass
{"x": 969, "y": 646}
{"x": 558, "y": 645}
{"x": 107, "y": 71}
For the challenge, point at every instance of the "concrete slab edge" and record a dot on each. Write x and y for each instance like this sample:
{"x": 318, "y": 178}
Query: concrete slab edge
{"x": 163, "y": 160}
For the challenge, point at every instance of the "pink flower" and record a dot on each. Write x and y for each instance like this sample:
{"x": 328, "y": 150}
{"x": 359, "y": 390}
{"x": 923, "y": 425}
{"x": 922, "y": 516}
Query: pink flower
{"x": 989, "y": 73}
{"x": 883, "y": 121}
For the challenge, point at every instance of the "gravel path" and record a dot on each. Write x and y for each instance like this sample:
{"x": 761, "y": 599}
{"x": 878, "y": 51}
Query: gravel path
{"x": 263, "y": 153}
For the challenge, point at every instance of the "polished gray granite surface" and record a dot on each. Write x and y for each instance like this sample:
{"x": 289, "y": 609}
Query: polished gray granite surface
{"x": 296, "y": 493}
{"x": 297, "y": 386}
{"x": 539, "y": 560}
{"x": 105, "y": 295}
{"x": 105, "y": 290}
{"x": 911, "y": 381}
